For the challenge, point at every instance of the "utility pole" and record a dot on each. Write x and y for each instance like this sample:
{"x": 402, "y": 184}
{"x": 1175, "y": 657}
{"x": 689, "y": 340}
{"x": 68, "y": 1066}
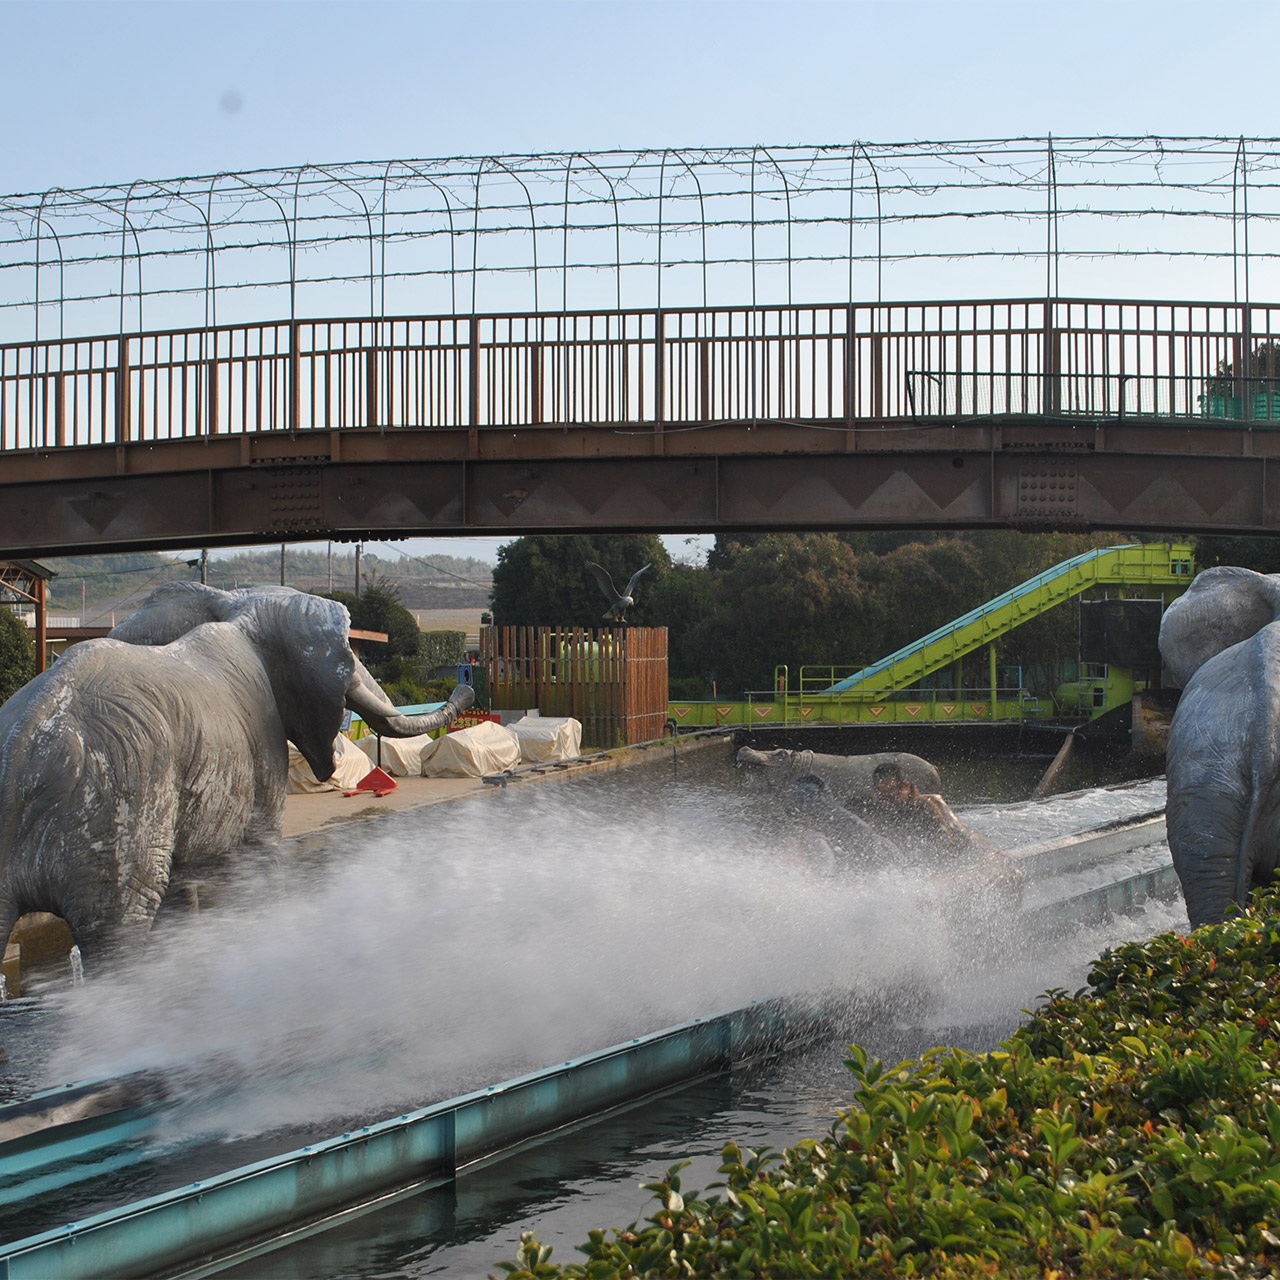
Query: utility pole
{"x": 204, "y": 565}
{"x": 359, "y": 548}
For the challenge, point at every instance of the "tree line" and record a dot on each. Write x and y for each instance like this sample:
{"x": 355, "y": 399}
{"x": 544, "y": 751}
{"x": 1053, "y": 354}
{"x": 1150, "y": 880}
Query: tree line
{"x": 842, "y": 600}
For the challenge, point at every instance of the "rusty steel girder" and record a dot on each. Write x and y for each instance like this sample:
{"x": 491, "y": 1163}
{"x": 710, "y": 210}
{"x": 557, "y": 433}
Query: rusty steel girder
{"x": 746, "y": 476}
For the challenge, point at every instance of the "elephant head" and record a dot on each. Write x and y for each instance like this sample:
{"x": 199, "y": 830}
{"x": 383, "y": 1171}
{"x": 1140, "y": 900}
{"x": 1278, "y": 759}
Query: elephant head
{"x": 1220, "y": 608}
{"x": 1221, "y": 642}
{"x": 304, "y": 643}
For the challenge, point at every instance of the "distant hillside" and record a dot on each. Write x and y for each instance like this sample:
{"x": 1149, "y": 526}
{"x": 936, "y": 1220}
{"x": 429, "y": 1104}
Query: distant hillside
{"x": 103, "y": 589}
{"x": 429, "y": 582}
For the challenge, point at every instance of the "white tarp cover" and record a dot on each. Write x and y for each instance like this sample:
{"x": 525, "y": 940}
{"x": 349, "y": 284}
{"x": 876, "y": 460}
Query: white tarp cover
{"x": 401, "y": 757}
{"x": 351, "y": 765}
{"x": 547, "y": 738}
{"x": 471, "y": 753}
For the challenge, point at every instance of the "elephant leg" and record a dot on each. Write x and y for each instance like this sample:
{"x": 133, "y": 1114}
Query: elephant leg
{"x": 9, "y": 915}
{"x": 115, "y": 918}
{"x": 1206, "y": 837}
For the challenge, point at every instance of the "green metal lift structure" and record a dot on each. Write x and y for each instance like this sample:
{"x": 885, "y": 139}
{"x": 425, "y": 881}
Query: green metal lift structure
{"x": 887, "y": 692}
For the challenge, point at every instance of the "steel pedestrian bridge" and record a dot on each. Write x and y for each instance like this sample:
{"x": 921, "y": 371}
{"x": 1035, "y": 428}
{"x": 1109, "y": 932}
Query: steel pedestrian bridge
{"x": 1069, "y": 413}
{"x": 619, "y": 341}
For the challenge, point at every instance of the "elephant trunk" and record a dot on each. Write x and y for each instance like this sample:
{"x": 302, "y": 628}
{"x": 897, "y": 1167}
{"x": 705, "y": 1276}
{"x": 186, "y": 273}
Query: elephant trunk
{"x": 367, "y": 700}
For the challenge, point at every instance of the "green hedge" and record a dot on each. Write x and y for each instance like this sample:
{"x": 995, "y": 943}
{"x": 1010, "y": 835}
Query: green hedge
{"x": 1130, "y": 1129}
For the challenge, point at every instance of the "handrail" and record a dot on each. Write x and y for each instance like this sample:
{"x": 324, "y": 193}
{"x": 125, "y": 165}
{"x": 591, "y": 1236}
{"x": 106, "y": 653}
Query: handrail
{"x": 837, "y": 363}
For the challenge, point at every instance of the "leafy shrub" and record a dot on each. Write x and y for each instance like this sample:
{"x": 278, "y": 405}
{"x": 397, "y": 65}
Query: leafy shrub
{"x": 439, "y": 648}
{"x": 1130, "y": 1129}
{"x": 17, "y": 654}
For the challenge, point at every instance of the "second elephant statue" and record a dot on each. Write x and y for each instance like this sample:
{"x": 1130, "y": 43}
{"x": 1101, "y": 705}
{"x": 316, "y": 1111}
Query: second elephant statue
{"x": 163, "y": 747}
{"x": 1221, "y": 642}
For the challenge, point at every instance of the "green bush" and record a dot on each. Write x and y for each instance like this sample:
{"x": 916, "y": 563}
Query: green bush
{"x": 688, "y": 689}
{"x": 17, "y": 654}
{"x": 1130, "y": 1129}
{"x": 439, "y": 648}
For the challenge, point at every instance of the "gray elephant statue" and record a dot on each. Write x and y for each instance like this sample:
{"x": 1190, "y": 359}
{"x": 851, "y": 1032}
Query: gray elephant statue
{"x": 1221, "y": 642}
{"x": 162, "y": 748}
{"x": 847, "y": 778}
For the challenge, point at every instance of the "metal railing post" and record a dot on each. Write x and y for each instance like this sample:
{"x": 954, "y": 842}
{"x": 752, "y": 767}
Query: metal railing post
{"x": 659, "y": 369}
{"x": 294, "y": 389}
{"x": 123, "y": 397}
{"x": 473, "y": 377}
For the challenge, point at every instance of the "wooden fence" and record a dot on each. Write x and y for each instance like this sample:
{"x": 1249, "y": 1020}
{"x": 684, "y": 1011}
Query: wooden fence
{"x": 611, "y": 679}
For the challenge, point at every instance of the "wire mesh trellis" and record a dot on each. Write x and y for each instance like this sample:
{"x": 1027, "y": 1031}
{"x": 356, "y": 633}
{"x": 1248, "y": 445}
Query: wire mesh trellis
{"x": 625, "y": 230}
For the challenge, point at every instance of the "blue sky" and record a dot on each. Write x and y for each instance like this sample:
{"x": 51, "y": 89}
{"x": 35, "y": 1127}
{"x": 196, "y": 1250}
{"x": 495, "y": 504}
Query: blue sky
{"x": 105, "y": 92}
{"x": 108, "y": 92}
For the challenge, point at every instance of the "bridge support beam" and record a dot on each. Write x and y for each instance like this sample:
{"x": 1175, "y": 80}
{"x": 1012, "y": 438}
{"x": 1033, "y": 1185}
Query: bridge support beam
{"x": 349, "y": 485}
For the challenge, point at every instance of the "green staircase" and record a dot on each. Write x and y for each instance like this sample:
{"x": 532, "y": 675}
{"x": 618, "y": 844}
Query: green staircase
{"x": 1153, "y": 565}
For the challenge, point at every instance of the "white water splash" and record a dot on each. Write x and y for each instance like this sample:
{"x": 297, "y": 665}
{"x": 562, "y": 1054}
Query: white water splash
{"x": 507, "y": 934}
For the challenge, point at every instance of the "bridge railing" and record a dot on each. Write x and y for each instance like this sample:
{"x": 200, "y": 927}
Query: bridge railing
{"x": 835, "y": 364}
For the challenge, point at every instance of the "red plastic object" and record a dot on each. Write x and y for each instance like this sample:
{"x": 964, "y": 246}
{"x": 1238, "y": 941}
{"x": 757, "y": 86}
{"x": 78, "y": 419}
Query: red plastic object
{"x": 376, "y": 781}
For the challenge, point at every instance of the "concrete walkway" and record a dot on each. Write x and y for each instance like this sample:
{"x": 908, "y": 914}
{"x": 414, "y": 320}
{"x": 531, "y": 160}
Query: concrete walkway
{"x": 325, "y": 812}
{"x": 309, "y": 813}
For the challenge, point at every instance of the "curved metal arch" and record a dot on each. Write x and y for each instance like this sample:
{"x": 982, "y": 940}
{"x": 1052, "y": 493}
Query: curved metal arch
{"x": 368, "y": 219}
{"x": 210, "y": 269}
{"x": 382, "y": 241}
{"x": 475, "y": 229}
{"x": 702, "y": 218}
{"x": 40, "y": 220}
{"x": 1051, "y": 225}
{"x": 617, "y": 233}
{"x": 82, "y": 198}
{"x": 290, "y": 243}
{"x": 875, "y": 177}
{"x": 786, "y": 187}
{"x": 138, "y": 252}
{"x": 369, "y": 225}
{"x": 213, "y": 261}
{"x": 1240, "y": 183}
{"x": 453, "y": 234}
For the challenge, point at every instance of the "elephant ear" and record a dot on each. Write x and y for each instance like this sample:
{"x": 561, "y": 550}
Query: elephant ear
{"x": 1222, "y": 607}
{"x": 173, "y": 610}
{"x": 302, "y": 641}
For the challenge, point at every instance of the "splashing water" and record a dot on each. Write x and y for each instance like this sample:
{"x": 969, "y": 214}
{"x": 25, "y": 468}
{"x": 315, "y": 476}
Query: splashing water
{"x": 514, "y": 932}
{"x": 77, "y": 967}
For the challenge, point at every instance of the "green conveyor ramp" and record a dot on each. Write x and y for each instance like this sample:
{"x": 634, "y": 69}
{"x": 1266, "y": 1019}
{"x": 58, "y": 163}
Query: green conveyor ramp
{"x": 1160, "y": 564}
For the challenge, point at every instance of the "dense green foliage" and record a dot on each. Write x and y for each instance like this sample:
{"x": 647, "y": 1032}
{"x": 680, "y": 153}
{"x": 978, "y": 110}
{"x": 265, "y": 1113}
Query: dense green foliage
{"x": 761, "y": 601}
{"x": 17, "y": 654}
{"x": 399, "y": 665}
{"x": 1260, "y": 554}
{"x": 543, "y": 580}
{"x": 1130, "y": 1129}
{"x": 442, "y": 648}
{"x": 816, "y": 599}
